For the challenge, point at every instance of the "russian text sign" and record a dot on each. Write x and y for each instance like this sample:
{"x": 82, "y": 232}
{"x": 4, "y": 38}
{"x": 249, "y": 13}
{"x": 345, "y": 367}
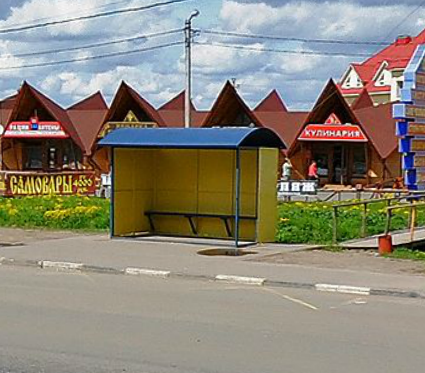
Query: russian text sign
{"x": 35, "y": 129}
{"x": 14, "y": 184}
{"x": 320, "y": 132}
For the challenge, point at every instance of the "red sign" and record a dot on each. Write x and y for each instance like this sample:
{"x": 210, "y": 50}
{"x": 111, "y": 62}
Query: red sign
{"x": 41, "y": 184}
{"x": 320, "y": 132}
{"x": 35, "y": 129}
{"x": 333, "y": 119}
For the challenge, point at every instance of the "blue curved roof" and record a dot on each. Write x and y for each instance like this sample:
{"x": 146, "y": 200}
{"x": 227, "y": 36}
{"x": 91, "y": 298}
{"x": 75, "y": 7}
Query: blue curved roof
{"x": 192, "y": 138}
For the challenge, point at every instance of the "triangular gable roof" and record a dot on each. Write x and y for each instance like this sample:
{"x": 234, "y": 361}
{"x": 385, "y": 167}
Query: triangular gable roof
{"x": 363, "y": 101}
{"x": 177, "y": 103}
{"x": 273, "y": 102}
{"x": 330, "y": 102}
{"x": 125, "y": 92}
{"x": 353, "y": 67}
{"x": 226, "y": 108}
{"x": 28, "y": 92}
{"x": 93, "y": 102}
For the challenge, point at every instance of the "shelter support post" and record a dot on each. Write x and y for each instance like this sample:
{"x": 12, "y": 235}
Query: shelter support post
{"x": 237, "y": 197}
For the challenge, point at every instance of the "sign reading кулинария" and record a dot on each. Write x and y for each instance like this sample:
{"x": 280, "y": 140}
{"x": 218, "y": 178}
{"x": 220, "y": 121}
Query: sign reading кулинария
{"x": 410, "y": 115}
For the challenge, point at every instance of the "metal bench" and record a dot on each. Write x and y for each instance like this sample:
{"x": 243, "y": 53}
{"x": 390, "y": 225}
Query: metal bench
{"x": 191, "y": 215}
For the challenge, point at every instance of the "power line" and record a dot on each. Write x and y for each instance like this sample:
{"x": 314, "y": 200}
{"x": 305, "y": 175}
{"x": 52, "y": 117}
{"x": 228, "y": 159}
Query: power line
{"x": 71, "y": 13}
{"x": 274, "y": 50}
{"x": 281, "y": 38}
{"x": 92, "y": 16}
{"x": 91, "y": 58}
{"x": 404, "y": 19}
{"x": 96, "y": 45}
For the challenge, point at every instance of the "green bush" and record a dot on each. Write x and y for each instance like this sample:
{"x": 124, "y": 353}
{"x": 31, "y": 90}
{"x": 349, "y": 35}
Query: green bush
{"x": 73, "y": 213}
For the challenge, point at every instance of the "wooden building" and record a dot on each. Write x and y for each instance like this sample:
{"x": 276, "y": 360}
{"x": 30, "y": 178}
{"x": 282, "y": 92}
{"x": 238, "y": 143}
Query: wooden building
{"x": 46, "y": 149}
{"x": 128, "y": 110}
{"x": 351, "y": 146}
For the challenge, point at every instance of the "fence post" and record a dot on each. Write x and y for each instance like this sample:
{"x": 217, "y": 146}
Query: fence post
{"x": 388, "y": 222}
{"x": 335, "y": 226}
{"x": 364, "y": 217}
{"x": 410, "y": 214}
{"x": 413, "y": 223}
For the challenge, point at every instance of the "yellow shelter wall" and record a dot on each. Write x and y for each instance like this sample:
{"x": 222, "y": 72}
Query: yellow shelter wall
{"x": 197, "y": 181}
{"x": 267, "y": 202}
{"x": 133, "y": 190}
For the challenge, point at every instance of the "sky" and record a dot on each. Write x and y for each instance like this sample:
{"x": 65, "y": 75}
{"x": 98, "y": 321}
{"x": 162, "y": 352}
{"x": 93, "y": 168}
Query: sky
{"x": 158, "y": 74}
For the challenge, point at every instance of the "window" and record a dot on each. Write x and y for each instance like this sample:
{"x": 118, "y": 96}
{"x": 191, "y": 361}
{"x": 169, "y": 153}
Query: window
{"x": 33, "y": 157}
{"x": 359, "y": 161}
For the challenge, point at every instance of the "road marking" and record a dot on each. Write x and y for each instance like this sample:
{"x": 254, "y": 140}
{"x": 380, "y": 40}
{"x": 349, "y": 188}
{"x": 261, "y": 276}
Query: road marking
{"x": 292, "y": 299}
{"x": 60, "y": 265}
{"x": 356, "y": 301}
{"x": 342, "y": 289}
{"x": 241, "y": 280}
{"x": 146, "y": 272}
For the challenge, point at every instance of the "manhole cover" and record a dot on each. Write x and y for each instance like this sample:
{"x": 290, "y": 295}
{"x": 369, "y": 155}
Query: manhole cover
{"x": 225, "y": 252}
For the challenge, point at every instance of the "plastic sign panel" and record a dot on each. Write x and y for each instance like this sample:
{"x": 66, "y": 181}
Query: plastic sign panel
{"x": 320, "y": 132}
{"x": 35, "y": 129}
{"x": 297, "y": 188}
{"x": 410, "y": 115}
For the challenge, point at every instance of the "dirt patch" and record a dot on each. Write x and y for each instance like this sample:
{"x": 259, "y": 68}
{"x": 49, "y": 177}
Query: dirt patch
{"x": 14, "y": 236}
{"x": 358, "y": 260}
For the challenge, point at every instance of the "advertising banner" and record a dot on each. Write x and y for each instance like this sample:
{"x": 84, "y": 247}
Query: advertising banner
{"x": 35, "y": 129}
{"x": 15, "y": 184}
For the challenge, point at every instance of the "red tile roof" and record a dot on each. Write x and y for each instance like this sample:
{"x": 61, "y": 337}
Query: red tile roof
{"x": 93, "y": 102}
{"x": 397, "y": 55}
{"x": 286, "y": 124}
{"x": 175, "y": 118}
{"x": 176, "y": 103}
{"x": 6, "y": 107}
{"x": 273, "y": 102}
{"x": 363, "y": 101}
{"x": 88, "y": 117}
{"x": 379, "y": 126}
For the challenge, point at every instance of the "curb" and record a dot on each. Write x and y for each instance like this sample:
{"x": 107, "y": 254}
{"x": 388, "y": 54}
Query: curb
{"x": 221, "y": 278}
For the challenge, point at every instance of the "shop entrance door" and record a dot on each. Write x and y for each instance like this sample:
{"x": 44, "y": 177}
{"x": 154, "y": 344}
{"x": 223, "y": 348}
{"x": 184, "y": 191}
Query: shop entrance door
{"x": 339, "y": 165}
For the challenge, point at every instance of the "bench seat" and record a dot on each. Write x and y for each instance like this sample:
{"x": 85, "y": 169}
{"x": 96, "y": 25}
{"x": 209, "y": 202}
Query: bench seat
{"x": 191, "y": 215}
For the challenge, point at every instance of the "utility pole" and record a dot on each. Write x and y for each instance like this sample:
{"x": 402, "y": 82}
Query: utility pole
{"x": 188, "y": 92}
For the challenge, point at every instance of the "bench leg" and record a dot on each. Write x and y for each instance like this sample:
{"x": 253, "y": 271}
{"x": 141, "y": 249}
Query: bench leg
{"x": 228, "y": 230}
{"x": 151, "y": 223}
{"x": 192, "y": 225}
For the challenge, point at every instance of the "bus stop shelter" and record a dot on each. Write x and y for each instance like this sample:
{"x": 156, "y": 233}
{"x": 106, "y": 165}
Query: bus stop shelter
{"x": 209, "y": 182}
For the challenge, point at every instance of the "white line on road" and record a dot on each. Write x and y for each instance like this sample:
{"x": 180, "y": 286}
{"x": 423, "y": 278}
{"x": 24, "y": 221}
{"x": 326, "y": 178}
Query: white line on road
{"x": 60, "y": 265}
{"x": 146, "y": 272}
{"x": 294, "y": 300}
{"x": 241, "y": 280}
{"x": 342, "y": 289}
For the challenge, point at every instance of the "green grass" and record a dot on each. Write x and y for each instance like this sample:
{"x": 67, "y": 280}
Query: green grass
{"x": 55, "y": 212}
{"x": 407, "y": 254}
{"x": 301, "y": 222}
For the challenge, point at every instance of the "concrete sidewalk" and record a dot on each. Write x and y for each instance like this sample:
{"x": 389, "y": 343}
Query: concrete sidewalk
{"x": 180, "y": 256}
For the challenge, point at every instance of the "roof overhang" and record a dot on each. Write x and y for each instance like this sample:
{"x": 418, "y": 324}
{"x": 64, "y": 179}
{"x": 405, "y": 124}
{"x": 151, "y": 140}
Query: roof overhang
{"x": 193, "y": 138}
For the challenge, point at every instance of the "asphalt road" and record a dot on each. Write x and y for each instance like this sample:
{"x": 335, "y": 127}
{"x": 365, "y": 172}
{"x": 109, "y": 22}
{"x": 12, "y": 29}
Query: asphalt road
{"x": 54, "y": 322}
